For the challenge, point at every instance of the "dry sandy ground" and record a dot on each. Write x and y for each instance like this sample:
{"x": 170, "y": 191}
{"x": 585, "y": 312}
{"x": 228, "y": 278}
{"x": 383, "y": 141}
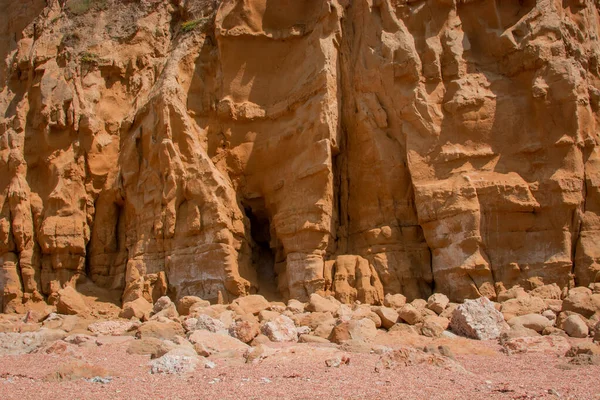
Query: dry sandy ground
{"x": 299, "y": 372}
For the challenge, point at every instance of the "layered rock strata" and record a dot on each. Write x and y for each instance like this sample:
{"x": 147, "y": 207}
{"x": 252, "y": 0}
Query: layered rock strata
{"x": 354, "y": 148}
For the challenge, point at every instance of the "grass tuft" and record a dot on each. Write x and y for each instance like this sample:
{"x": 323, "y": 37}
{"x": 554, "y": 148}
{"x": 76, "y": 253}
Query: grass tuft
{"x": 189, "y": 26}
{"x": 79, "y": 6}
{"x": 87, "y": 57}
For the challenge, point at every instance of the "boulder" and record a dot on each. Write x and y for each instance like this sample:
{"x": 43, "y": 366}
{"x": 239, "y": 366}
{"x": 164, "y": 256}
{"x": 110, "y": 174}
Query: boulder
{"x": 512, "y": 293}
{"x": 575, "y": 326}
{"x": 260, "y": 339}
{"x": 244, "y": 330}
{"x": 532, "y": 321}
{"x": 160, "y": 330}
{"x": 478, "y": 319}
{"x": 582, "y": 301}
{"x": 537, "y": 344}
{"x": 187, "y": 302}
{"x": 433, "y": 326}
{"x": 81, "y": 339}
{"x": 111, "y": 328}
{"x": 593, "y": 321}
{"x": 207, "y": 343}
{"x": 426, "y": 312}
{"x": 551, "y": 292}
{"x": 280, "y": 329}
{"x": 394, "y": 300}
{"x": 252, "y": 304}
{"x": 227, "y": 318}
{"x": 419, "y": 304}
{"x": 325, "y": 328}
{"x": 13, "y": 343}
{"x": 438, "y": 302}
{"x": 34, "y": 316}
{"x": 522, "y": 305}
{"x": 312, "y": 339}
{"x": 358, "y": 330}
{"x": 258, "y": 353}
{"x": 70, "y": 302}
{"x": 404, "y": 329}
{"x": 151, "y": 346}
{"x": 176, "y": 361}
{"x": 303, "y": 330}
{"x": 189, "y": 324}
{"x": 364, "y": 311}
{"x": 345, "y": 312}
{"x": 66, "y": 323}
{"x": 373, "y": 317}
{"x": 277, "y": 306}
{"x": 210, "y": 324}
{"x": 110, "y": 340}
{"x": 165, "y": 308}
{"x": 560, "y": 318}
{"x": 214, "y": 310}
{"x": 267, "y": 315}
{"x": 409, "y": 314}
{"x": 161, "y": 304}
{"x": 318, "y": 303}
{"x": 552, "y": 330}
{"x": 447, "y": 313}
{"x": 554, "y": 305}
{"x": 139, "y": 308}
{"x": 516, "y": 331}
{"x": 313, "y": 319}
{"x": 550, "y": 315}
{"x": 356, "y": 346}
{"x": 388, "y": 316}
{"x": 295, "y": 306}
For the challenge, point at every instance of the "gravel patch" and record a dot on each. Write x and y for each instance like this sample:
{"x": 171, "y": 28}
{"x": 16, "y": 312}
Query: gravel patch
{"x": 300, "y": 372}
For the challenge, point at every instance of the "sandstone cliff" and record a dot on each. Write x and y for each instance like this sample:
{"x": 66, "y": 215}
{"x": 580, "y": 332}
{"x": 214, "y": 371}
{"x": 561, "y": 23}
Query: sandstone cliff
{"x": 352, "y": 147}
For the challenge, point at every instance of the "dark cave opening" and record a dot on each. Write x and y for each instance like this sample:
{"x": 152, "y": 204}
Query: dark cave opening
{"x": 263, "y": 256}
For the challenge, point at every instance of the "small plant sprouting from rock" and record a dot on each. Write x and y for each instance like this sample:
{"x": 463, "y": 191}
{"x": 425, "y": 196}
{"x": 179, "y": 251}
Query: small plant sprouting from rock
{"x": 189, "y": 26}
{"x": 88, "y": 57}
{"x": 79, "y": 7}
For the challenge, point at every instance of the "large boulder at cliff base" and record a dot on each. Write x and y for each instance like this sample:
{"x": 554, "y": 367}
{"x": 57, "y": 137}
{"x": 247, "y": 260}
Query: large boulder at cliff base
{"x": 478, "y": 319}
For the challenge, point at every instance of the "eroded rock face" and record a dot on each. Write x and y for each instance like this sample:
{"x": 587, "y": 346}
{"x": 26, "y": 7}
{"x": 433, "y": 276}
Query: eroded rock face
{"x": 348, "y": 148}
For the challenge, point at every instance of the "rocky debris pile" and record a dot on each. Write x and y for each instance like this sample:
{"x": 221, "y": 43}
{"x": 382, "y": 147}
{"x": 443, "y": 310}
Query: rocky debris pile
{"x": 20, "y": 343}
{"x": 180, "y": 336}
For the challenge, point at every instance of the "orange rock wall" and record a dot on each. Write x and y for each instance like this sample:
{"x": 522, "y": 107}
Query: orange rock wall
{"x": 198, "y": 147}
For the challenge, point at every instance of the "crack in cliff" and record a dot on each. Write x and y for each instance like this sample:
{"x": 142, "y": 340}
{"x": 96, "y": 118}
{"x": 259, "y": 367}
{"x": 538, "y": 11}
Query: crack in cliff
{"x": 578, "y": 216}
{"x": 341, "y": 175}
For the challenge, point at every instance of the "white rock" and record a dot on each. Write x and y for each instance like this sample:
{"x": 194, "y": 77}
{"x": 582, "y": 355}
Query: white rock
{"x": 176, "y": 361}
{"x": 478, "y": 319}
{"x": 280, "y": 329}
{"x": 209, "y": 324}
{"x": 114, "y": 328}
{"x": 23, "y": 343}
